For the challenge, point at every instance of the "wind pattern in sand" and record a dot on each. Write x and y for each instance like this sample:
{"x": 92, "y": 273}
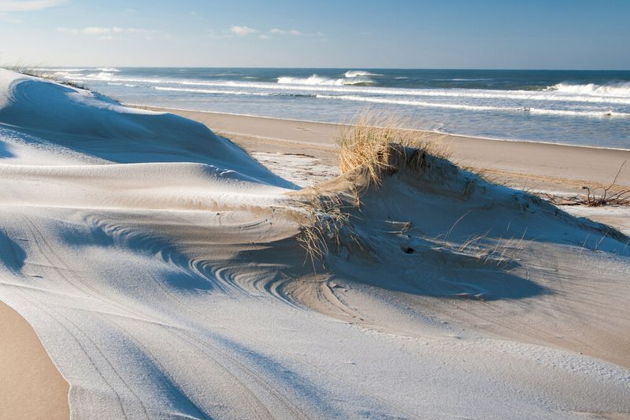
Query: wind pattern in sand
{"x": 157, "y": 263}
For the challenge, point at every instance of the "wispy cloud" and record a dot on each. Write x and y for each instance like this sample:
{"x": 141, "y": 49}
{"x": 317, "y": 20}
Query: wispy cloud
{"x": 294, "y": 32}
{"x": 108, "y": 33}
{"x": 242, "y": 30}
{"x": 27, "y": 5}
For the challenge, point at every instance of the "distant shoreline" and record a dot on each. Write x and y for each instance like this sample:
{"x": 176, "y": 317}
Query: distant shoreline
{"x": 526, "y": 164}
{"x": 340, "y": 124}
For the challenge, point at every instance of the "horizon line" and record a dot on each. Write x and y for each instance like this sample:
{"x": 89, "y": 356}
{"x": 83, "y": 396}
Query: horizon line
{"x": 332, "y": 68}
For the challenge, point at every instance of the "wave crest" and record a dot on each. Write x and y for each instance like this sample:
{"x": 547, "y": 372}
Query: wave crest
{"x": 359, "y": 73}
{"x": 467, "y": 107}
{"x": 109, "y": 69}
{"x": 315, "y": 80}
{"x": 620, "y": 89}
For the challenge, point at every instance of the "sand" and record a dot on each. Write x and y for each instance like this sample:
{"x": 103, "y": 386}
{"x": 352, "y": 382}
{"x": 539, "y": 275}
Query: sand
{"x": 538, "y": 167}
{"x": 30, "y": 385}
{"x": 158, "y": 265}
{"x": 521, "y": 164}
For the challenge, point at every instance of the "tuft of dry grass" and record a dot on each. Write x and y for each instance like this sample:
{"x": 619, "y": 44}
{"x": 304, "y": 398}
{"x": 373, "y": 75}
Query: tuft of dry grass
{"x": 324, "y": 222}
{"x": 378, "y": 144}
{"x": 374, "y": 146}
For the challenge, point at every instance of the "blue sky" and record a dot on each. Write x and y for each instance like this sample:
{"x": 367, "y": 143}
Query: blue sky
{"x": 527, "y": 34}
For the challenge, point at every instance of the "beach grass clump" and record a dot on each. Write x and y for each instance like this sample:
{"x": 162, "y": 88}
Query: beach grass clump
{"x": 373, "y": 147}
{"x": 379, "y": 144}
{"x": 325, "y": 220}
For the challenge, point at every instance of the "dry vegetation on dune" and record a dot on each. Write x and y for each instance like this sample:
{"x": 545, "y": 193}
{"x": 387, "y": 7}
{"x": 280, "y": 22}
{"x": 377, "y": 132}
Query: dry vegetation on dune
{"x": 377, "y": 144}
{"x": 375, "y": 149}
{"x": 609, "y": 195}
{"x": 371, "y": 148}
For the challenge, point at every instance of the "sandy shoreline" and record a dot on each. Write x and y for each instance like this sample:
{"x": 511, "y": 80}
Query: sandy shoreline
{"x": 522, "y": 163}
{"x": 530, "y": 166}
{"x": 36, "y": 390}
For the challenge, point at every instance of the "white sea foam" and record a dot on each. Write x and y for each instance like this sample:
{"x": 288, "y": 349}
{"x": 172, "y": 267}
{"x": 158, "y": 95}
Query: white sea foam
{"x": 212, "y": 91}
{"x": 621, "y": 89}
{"x": 609, "y": 93}
{"x": 359, "y": 73}
{"x": 562, "y": 100}
{"x": 61, "y": 69}
{"x": 466, "y": 107}
{"x": 316, "y": 80}
{"x": 311, "y": 80}
{"x": 322, "y": 84}
{"x": 106, "y": 76}
{"x": 464, "y": 79}
{"x": 357, "y": 98}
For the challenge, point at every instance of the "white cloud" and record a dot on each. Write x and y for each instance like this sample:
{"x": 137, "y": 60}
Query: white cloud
{"x": 293, "y": 32}
{"x": 27, "y": 5}
{"x": 242, "y": 30}
{"x": 95, "y": 30}
{"x": 107, "y": 33}
{"x": 277, "y": 31}
{"x": 100, "y": 30}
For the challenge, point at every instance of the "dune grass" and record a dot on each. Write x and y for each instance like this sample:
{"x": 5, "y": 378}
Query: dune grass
{"x": 371, "y": 148}
{"x": 377, "y": 144}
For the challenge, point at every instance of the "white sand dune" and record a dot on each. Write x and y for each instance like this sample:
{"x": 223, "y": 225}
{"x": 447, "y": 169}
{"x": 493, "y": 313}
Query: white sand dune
{"x": 157, "y": 263}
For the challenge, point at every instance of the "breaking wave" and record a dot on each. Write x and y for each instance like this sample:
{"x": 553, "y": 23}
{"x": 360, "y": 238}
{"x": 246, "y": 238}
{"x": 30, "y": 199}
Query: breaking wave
{"x": 359, "y": 73}
{"x": 606, "y": 94}
{"x": 621, "y": 89}
{"x": 231, "y": 92}
{"x": 350, "y": 78}
{"x": 465, "y": 107}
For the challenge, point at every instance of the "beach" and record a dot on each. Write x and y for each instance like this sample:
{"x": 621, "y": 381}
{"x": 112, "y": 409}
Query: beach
{"x": 531, "y": 166}
{"x": 370, "y": 210}
{"x": 162, "y": 263}
{"x": 31, "y": 386}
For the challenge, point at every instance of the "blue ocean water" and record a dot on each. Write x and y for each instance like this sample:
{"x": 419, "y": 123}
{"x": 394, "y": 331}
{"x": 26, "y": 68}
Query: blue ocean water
{"x": 573, "y": 107}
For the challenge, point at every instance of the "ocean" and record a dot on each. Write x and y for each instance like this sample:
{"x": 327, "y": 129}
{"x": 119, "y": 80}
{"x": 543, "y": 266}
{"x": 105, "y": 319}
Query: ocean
{"x": 573, "y": 107}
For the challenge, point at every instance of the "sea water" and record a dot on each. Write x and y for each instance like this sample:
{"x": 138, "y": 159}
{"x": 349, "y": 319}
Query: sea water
{"x": 564, "y": 106}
